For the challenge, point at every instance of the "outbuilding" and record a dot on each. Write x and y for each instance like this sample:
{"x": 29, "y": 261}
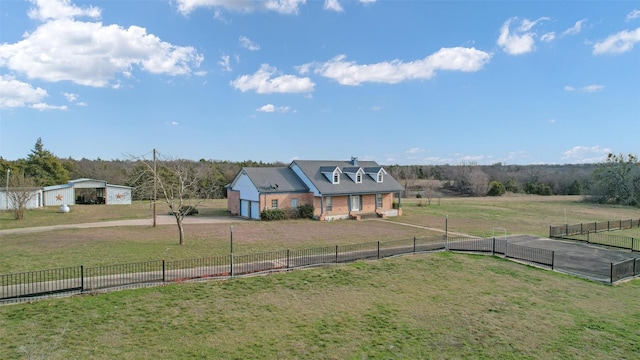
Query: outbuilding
{"x": 86, "y": 191}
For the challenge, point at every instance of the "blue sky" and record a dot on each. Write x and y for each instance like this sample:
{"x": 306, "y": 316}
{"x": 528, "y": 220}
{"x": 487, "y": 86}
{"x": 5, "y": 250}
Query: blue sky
{"x": 398, "y": 82}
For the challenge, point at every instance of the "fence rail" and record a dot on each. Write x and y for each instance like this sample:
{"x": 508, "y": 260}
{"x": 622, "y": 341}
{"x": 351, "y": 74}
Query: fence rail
{"x": 501, "y": 246}
{"x": 73, "y": 280}
{"x": 594, "y": 227}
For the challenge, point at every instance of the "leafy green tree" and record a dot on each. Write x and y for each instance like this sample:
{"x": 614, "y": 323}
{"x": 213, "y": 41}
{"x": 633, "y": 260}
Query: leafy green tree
{"x": 44, "y": 167}
{"x": 617, "y": 180}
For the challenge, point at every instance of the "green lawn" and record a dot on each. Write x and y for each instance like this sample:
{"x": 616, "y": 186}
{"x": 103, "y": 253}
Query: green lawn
{"x": 440, "y": 305}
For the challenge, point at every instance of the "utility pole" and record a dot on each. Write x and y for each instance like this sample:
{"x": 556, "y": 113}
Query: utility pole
{"x": 155, "y": 177}
{"x": 6, "y": 190}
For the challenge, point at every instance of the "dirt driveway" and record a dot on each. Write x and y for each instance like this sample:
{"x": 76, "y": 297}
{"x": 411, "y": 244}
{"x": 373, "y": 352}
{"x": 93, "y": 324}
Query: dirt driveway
{"x": 160, "y": 220}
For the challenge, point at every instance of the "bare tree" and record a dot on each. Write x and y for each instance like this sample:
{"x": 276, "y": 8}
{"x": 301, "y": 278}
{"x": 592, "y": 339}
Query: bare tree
{"x": 20, "y": 193}
{"x": 176, "y": 184}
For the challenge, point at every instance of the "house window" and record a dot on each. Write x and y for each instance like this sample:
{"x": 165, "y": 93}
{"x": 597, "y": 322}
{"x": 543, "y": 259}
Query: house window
{"x": 358, "y": 178}
{"x": 294, "y": 203}
{"x": 380, "y": 176}
{"x": 274, "y": 204}
{"x": 336, "y": 177}
{"x": 378, "y": 201}
{"x": 329, "y": 203}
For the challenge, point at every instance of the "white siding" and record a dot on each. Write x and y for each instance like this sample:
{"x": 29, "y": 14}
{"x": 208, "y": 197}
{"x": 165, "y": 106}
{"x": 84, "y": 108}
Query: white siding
{"x": 247, "y": 189}
{"x": 89, "y": 184}
{"x": 34, "y": 202}
{"x": 118, "y": 195}
{"x": 59, "y": 196}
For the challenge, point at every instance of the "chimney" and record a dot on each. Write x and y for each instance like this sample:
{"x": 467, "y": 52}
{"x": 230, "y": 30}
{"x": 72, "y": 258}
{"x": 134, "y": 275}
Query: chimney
{"x": 354, "y": 161}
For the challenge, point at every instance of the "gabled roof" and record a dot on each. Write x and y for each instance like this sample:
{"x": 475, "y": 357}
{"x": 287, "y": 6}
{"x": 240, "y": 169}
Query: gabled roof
{"x": 312, "y": 169}
{"x": 273, "y": 179}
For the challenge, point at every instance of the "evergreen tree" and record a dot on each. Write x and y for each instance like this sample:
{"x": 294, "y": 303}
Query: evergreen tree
{"x": 44, "y": 167}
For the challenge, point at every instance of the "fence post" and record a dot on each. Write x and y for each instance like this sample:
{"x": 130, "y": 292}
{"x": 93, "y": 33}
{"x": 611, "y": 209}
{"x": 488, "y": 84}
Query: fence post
{"x": 553, "y": 258}
{"x": 163, "y": 272}
{"x": 581, "y": 231}
{"x": 566, "y": 229}
{"x": 336, "y": 254}
{"x": 287, "y": 258}
{"x": 608, "y": 225}
{"x": 493, "y": 246}
{"x": 81, "y": 278}
{"x": 414, "y": 244}
{"x": 231, "y": 265}
{"x": 588, "y": 234}
{"x": 611, "y": 273}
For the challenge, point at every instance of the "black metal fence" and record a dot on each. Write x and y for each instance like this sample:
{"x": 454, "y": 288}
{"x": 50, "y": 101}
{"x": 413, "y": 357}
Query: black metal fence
{"x": 497, "y": 246}
{"x": 616, "y": 241}
{"x": 75, "y": 280}
{"x": 594, "y": 227}
{"x": 625, "y": 269}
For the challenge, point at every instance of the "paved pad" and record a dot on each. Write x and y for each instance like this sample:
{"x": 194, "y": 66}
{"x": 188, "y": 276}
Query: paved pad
{"x": 576, "y": 257}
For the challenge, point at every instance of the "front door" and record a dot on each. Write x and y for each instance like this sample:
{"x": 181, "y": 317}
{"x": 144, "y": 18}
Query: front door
{"x": 355, "y": 203}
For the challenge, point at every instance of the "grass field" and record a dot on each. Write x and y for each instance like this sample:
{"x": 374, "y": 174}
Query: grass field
{"x": 439, "y": 305}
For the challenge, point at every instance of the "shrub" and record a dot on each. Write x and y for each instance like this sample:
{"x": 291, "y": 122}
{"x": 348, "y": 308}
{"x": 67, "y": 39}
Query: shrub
{"x": 273, "y": 214}
{"x": 418, "y": 196}
{"x": 305, "y": 211}
{"x": 496, "y": 189}
{"x": 186, "y": 210}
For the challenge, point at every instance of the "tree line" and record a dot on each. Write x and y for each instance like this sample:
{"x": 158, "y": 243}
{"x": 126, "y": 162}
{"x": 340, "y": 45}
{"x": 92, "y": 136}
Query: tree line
{"x": 615, "y": 180}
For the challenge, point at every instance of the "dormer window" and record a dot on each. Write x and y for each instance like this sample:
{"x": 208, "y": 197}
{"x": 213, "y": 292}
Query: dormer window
{"x": 354, "y": 173}
{"x": 376, "y": 173}
{"x": 332, "y": 173}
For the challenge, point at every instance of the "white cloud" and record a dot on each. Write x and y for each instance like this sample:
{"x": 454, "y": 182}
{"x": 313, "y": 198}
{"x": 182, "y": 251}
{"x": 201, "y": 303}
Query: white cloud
{"x": 575, "y": 29}
{"x": 376, "y": 108}
{"x": 548, "y": 37}
{"x": 633, "y": 15}
{"x": 586, "y": 154}
{"x": 455, "y": 59}
{"x": 246, "y": 43}
{"x": 269, "y": 108}
{"x": 284, "y": 6}
{"x": 263, "y": 82}
{"x": 224, "y": 63}
{"x": 60, "y": 9}
{"x": 588, "y": 89}
{"x": 367, "y": 1}
{"x": 333, "y": 5}
{"x": 70, "y": 97}
{"x": 44, "y": 107}
{"x": 187, "y": 6}
{"x": 81, "y": 103}
{"x": 414, "y": 150}
{"x": 15, "y": 93}
{"x": 617, "y": 43}
{"x": 89, "y": 53}
{"x": 521, "y": 40}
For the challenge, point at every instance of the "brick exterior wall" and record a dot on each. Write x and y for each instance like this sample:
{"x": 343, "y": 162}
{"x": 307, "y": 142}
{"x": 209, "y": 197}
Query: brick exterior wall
{"x": 284, "y": 200}
{"x": 233, "y": 201}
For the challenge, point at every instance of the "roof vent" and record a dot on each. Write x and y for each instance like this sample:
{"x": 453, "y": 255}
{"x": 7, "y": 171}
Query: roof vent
{"x": 354, "y": 161}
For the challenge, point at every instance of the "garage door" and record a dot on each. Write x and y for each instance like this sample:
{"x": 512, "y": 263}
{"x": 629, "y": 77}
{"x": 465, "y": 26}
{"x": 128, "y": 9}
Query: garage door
{"x": 244, "y": 208}
{"x": 255, "y": 210}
